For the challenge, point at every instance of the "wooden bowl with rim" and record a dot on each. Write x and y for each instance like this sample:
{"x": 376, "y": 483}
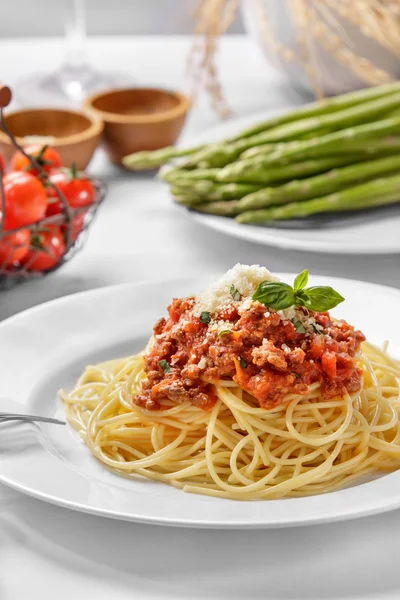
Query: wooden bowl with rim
{"x": 74, "y": 134}
{"x": 138, "y": 119}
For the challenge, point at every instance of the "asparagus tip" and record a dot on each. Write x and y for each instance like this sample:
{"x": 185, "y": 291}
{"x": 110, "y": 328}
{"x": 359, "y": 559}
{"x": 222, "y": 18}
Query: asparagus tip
{"x": 139, "y": 161}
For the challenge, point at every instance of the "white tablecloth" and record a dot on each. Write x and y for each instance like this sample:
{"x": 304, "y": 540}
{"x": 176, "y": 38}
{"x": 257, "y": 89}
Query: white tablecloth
{"x": 47, "y": 552}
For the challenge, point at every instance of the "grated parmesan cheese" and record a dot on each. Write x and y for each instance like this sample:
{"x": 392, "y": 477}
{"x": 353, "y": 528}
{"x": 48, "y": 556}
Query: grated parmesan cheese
{"x": 218, "y": 326}
{"x": 245, "y": 278}
{"x": 287, "y": 314}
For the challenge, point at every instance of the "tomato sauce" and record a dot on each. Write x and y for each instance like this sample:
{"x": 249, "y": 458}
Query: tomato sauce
{"x": 263, "y": 353}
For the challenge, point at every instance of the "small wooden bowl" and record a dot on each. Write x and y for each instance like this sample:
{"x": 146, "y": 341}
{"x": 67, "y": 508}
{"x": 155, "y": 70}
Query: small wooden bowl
{"x": 74, "y": 134}
{"x": 138, "y": 119}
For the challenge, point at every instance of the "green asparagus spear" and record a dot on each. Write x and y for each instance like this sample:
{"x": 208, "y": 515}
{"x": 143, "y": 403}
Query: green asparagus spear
{"x": 225, "y": 209}
{"x": 144, "y": 160}
{"x": 385, "y": 190}
{"x": 327, "y": 105}
{"x": 303, "y": 123}
{"x": 260, "y": 171}
{"x": 197, "y": 186}
{"x": 187, "y": 199}
{"x": 219, "y": 155}
{"x": 174, "y": 176}
{"x": 253, "y": 196}
{"x": 312, "y": 187}
{"x": 231, "y": 191}
{"x": 208, "y": 191}
{"x": 319, "y": 185}
{"x": 150, "y": 160}
{"x": 334, "y": 121}
{"x": 332, "y": 143}
{"x": 262, "y": 150}
{"x": 389, "y": 144}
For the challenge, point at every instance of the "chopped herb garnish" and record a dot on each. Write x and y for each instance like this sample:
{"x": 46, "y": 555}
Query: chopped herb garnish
{"x": 315, "y": 328}
{"x": 243, "y": 363}
{"x": 298, "y": 325}
{"x": 235, "y": 293}
{"x": 279, "y": 295}
{"x": 223, "y": 332}
{"x": 205, "y": 317}
{"x": 166, "y": 367}
{"x": 296, "y": 375}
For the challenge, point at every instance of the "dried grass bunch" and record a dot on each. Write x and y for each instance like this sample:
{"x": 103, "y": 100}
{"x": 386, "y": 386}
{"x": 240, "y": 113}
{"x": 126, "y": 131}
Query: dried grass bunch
{"x": 316, "y": 22}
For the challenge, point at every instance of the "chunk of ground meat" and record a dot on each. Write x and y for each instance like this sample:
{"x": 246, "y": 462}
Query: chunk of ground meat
{"x": 296, "y": 356}
{"x": 159, "y": 326}
{"x": 268, "y": 353}
{"x": 173, "y": 389}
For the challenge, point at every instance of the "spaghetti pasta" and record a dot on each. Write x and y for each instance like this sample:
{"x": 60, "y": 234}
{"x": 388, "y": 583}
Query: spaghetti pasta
{"x": 288, "y": 424}
{"x": 239, "y": 450}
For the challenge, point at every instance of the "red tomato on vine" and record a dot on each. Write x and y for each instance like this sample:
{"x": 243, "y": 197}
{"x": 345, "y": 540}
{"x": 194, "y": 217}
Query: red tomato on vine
{"x": 46, "y": 156}
{"x": 47, "y": 249}
{"x": 25, "y": 199}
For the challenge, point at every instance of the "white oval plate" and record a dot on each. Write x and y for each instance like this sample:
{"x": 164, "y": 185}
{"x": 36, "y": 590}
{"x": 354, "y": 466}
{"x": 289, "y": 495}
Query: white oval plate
{"x": 376, "y": 232}
{"x": 47, "y": 347}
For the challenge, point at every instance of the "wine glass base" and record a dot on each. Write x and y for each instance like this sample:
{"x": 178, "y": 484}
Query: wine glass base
{"x": 67, "y": 87}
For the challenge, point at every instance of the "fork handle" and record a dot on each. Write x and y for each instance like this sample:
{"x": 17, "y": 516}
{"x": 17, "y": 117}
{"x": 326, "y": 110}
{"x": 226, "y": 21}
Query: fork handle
{"x": 29, "y": 419}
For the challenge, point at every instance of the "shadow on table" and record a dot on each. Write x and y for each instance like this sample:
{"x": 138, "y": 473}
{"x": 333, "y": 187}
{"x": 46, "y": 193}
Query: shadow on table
{"x": 95, "y": 273}
{"x": 344, "y": 560}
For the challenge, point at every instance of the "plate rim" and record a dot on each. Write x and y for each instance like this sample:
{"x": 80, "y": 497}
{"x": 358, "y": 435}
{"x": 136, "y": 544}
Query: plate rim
{"x": 168, "y": 280}
{"x": 375, "y": 506}
{"x": 231, "y": 228}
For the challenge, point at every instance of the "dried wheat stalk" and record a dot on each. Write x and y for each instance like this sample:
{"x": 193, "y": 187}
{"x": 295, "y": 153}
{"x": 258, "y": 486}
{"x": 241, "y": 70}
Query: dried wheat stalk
{"x": 316, "y": 22}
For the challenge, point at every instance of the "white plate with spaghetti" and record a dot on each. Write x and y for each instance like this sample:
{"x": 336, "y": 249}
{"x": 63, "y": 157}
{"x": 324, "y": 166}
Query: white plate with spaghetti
{"x": 364, "y": 232}
{"x": 272, "y": 466}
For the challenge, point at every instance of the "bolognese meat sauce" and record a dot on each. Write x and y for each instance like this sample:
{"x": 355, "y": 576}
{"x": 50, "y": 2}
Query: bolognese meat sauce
{"x": 264, "y": 352}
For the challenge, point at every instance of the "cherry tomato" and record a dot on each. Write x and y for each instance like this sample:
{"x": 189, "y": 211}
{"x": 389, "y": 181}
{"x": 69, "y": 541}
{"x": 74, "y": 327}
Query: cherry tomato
{"x": 14, "y": 247}
{"x": 25, "y": 199}
{"x": 47, "y": 157}
{"x": 77, "y": 225}
{"x": 48, "y": 249}
{"x": 78, "y": 190}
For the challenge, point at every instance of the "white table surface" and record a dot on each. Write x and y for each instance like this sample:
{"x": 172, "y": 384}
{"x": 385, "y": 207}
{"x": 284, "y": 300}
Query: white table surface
{"x": 47, "y": 552}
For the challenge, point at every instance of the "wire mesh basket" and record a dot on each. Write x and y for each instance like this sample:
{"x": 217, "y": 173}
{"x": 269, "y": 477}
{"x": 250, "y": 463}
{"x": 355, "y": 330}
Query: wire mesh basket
{"x": 70, "y": 224}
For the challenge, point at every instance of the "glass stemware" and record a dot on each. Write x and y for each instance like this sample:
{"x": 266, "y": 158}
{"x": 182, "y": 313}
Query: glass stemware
{"x": 76, "y": 77}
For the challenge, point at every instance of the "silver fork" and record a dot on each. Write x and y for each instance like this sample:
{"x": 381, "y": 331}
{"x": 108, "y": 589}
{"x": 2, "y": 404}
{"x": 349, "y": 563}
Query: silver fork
{"x": 5, "y": 417}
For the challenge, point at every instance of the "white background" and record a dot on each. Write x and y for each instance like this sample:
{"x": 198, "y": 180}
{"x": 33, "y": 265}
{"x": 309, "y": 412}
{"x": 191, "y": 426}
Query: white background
{"x": 45, "y": 17}
{"x": 47, "y": 552}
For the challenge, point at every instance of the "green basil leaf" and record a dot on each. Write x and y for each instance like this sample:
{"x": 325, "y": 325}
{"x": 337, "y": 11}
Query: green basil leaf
{"x": 205, "y": 317}
{"x": 235, "y": 293}
{"x": 275, "y": 294}
{"x": 243, "y": 363}
{"x": 298, "y": 325}
{"x": 223, "y": 332}
{"x": 301, "y": 280}
{"x": 318, "y": 298}
{"x": 166, "y": 367}
{"x": 300, "y": 298}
